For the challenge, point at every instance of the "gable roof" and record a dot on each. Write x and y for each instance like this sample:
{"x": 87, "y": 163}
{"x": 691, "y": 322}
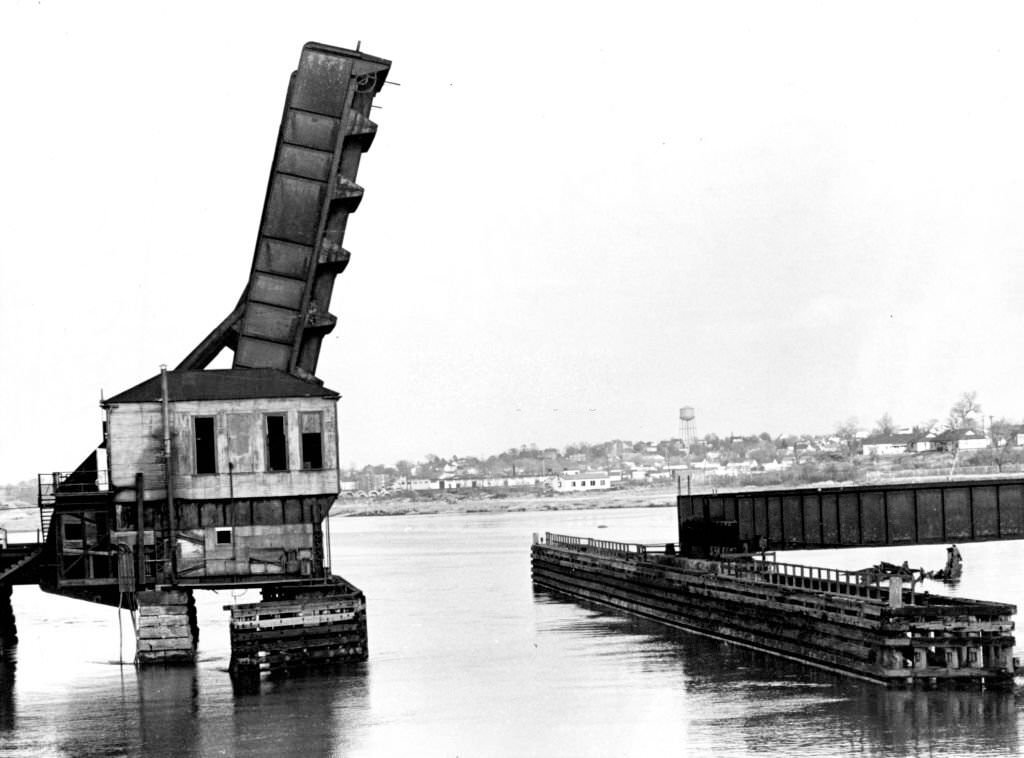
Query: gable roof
{"x": 586, "y": 475}
{"x": 896, "y": 438}
{"x": 222, "y": 384}
{"x": 954, "y": 435}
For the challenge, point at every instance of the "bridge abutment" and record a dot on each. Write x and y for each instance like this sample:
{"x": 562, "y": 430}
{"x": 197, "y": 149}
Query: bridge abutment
{"x": 168, "y": 628}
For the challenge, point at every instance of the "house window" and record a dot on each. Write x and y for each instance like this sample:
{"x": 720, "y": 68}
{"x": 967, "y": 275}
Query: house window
{"x": 312, "y": 440}
{"x": 277, "y": 444}
{"x": 73, "y": 531}
{"x": 206, "y": 445}
{"x": 223, "y": 536}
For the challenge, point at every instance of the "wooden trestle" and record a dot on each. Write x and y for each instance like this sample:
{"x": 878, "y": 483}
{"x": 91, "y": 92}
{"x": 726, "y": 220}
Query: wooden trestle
{"x": 867, "y": 626}
{"x": 297, "y": 628}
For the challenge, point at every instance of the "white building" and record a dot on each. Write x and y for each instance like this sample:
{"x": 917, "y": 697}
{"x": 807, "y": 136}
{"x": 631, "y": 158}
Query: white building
{"x": 583, "y": 481}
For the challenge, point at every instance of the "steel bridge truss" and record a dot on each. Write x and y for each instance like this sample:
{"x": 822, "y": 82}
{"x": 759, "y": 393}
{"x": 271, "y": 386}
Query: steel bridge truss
{"x": 866, "y": 515}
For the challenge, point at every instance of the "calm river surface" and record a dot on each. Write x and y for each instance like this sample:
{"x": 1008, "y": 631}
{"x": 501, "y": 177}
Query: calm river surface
{"x": 467, "y": 660}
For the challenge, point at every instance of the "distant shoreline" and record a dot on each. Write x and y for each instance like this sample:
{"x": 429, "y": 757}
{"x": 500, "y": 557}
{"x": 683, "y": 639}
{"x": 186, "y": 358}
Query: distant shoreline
{"x": 641, "y": 497}
{"x": 24, "y": 519}
{"x": 21, "y": 519}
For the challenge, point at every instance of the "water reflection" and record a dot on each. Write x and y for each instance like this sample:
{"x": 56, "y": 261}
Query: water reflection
{"x": 742, "y": 701}
{"x": 166, "y": 703}
{"x": 8, "y": 702}
{"x": 896, "y": 722}
{"x": 303, "y": 715}
{"x": 189, "y": 711}
{"x": 466, "y": 659}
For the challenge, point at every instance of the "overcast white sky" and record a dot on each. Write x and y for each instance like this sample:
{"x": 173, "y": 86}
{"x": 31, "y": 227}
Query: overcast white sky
{"x": 578, "y": 217}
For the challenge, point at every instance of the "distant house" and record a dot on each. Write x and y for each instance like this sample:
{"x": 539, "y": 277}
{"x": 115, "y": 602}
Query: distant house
{"x": 1012, "y": 437}
{"x": 740, "y": 467}
{"x": 481, "y": 482}
{"x": 888, "y": 444}
{"x": 924, "y": 444}
{"x": 953, "y": 440}
{"x": 582, "y": 481}
{"x": 639, "y": 473}
{"x": 423, "y": 484}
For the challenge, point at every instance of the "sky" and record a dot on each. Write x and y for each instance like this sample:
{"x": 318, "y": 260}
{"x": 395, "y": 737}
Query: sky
{"x": 578, "y": 217}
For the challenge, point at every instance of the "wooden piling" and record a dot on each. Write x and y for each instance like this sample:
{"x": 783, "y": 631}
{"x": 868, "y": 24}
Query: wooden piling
{"x": 297, "y": 628}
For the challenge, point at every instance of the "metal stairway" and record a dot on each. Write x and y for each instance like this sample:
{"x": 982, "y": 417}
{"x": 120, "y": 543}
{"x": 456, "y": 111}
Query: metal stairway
{"x": 25, "y": 556}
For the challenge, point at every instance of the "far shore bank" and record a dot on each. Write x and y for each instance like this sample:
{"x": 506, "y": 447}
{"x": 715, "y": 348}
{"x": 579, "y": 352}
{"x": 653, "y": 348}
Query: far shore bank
{"x": 21, "y": 520}
{"x": 482, "y": 502}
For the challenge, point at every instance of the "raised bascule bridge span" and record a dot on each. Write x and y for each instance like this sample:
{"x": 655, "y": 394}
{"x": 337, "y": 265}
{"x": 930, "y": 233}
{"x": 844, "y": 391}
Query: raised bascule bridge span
{"x": 225, "y": 478}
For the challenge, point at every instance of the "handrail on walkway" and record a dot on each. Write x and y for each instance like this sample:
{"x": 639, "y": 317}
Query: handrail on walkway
{"x": 861, "y": 584}
{"x": 606, "y": 546}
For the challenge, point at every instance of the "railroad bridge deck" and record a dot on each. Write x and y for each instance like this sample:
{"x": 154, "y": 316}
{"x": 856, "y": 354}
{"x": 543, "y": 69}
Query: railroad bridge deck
{"x": 918, "y": 513}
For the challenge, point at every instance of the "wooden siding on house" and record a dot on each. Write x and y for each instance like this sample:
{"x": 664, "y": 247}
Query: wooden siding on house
{"x": 252, "y": 550}
{"x": 135, "y": 445}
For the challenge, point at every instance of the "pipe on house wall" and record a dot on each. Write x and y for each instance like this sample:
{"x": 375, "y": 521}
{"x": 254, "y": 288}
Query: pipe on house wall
{"x": 140, "y": 531}
{"x": 231, "y": 506}
{"x": 172, "y": 516}
{"x": 327, "y": 567}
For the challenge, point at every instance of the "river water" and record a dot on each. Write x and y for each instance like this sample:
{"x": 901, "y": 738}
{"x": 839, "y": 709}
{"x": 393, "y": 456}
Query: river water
{"x": 466, "y": 659}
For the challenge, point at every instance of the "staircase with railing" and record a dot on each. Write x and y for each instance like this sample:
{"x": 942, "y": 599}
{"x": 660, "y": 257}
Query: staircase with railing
{"x": 67, "y": 487}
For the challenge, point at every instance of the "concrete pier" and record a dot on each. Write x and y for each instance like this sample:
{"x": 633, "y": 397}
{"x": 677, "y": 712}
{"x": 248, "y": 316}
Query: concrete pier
{"x": 167, "y": 627}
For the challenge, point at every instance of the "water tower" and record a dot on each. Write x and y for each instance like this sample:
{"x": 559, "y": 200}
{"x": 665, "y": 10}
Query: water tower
{"x": 687, "y": 425}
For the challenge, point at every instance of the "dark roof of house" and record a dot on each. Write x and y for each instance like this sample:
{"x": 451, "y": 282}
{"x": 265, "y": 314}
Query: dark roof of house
{"x": 890, "y": 439}
{"x": 953, "y": 435}
{"x": 223, "y": 384}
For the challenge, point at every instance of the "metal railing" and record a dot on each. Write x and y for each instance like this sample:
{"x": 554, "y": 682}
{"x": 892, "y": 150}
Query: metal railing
{"x": 604, "y": 546}
{"x": 862, "y": 584}
{"x": 839, "y": 582}
{"x": 71, "y": 483}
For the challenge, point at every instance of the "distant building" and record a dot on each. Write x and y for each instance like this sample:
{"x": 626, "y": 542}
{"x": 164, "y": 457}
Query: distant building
{"x": 888, "y": 444}
{"x": 583, "y": 481}
{"x": 420, "y": 484}
{"x": 1012, "y": 437}
{"x": 487, "y": 482}
{"x": 954, "y": 440}
{"x": 924, "y": 444}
